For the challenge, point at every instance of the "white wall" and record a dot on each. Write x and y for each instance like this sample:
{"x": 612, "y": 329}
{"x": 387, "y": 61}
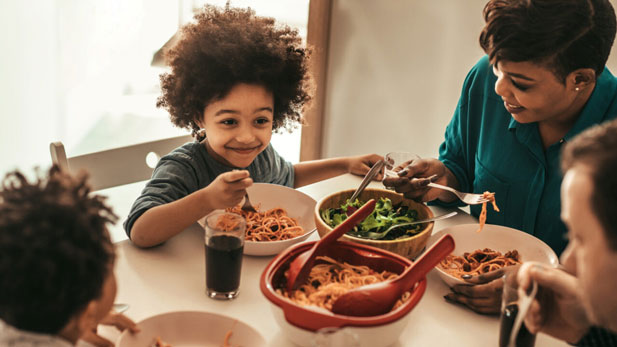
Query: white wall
{"x": 395, "y": 73}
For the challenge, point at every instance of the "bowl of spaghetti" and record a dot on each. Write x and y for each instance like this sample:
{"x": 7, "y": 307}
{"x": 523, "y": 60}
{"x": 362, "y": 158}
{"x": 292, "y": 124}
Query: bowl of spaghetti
{"x": 392, "y": 208}
{"x": 493, "y": 248}
{"x": 284, "y": 217}
{"x": 343, "y": 266}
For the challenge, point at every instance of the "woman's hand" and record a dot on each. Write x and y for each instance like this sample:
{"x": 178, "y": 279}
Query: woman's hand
{"x": 557, "y": 310}
{"x": 228, "y": 189}
{"x": 413, "y": 179}
{"x": 117, "y": 320}
{"x": 482, "y": 295}
{"x": 360, "y": 165}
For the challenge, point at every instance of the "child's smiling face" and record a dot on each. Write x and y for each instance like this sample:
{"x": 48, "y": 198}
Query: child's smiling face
{"x": 239, "y": 125}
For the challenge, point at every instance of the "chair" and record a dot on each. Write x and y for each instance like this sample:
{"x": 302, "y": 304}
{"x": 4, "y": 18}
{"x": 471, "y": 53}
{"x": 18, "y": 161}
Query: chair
{"x": 117, "y": 166}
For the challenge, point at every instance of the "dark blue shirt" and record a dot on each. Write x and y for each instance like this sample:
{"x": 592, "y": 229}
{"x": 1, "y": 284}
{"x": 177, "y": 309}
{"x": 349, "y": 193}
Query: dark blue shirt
{"x": 189, "y": 168}
{"x": 487, "y": 150}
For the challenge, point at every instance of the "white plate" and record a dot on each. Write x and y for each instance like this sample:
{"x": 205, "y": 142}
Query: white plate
{"x": 495, "y": 237}
{"x": 191, "y": 328}
{"x": 300, "y": 206}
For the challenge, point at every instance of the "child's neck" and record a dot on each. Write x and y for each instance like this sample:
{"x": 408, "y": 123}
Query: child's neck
{"x": 70, "y": 332}
{"x": 215, "y": 155}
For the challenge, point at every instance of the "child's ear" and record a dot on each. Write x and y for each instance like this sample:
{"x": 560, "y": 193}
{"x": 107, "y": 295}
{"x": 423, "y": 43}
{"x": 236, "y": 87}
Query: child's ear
{"x": 80, "y": 323}
{"x": 88, "y": 317}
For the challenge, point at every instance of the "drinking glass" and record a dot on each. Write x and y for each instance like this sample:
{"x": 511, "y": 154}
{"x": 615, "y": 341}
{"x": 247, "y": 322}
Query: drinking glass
{"x": 509, "y": 309}
{"x": 224, "y": 243}
{"x": 396, "y": 161}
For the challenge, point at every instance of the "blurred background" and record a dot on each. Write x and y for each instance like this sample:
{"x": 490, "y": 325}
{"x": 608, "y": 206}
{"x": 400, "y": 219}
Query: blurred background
{"x": 80, "y": 71}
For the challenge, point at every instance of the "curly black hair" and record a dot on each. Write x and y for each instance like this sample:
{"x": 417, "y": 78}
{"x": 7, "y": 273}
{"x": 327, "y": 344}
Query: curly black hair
{"x": 55, "y": 251}
{"x": 225, "y": 47}
{"x": 563, "y": 35}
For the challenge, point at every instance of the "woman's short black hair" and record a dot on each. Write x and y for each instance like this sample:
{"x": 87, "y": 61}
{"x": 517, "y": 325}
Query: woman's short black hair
{"x": 225, "y": 47}
{"x": 596, "y": 148}
{"x": 55, "y": 251}
{"x": 563, "y": 35}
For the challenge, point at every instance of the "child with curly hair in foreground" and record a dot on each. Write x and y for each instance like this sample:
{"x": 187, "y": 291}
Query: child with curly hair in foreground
{"x": 235, "y": 79}
{"x": 56, "y": 262}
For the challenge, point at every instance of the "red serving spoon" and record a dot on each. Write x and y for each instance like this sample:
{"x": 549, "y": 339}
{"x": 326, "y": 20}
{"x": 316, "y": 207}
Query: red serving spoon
{"x": 300, "y": 268}
{"x": 379, "y": 298}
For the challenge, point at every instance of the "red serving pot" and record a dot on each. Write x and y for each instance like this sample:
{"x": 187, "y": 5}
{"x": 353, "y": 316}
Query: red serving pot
{"x": 377, "y": 259}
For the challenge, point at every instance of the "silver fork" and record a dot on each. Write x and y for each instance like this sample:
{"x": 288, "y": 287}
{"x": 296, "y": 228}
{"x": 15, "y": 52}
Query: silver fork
{"x": 247, "y": 204}
{"x": 468, "y": 198}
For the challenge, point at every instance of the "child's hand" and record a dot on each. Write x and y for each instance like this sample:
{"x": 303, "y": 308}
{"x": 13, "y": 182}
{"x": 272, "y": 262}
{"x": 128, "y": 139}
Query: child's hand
{"x": 117, "y": 320}
{"x": 228, "y": 189}
{"x": 362, "y": 164}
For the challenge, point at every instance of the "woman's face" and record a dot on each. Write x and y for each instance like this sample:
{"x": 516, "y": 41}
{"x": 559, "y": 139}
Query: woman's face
{"x": 239, "y": 126}
{"x": 532, "y": 93}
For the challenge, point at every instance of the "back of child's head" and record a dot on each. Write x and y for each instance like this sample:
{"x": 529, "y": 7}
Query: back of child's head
{"x": 55, "y": 251}
{"x": 225, "y": 47}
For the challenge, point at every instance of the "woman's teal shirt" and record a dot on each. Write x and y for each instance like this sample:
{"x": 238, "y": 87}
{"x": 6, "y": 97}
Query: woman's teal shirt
{"x": 487, "y": 150}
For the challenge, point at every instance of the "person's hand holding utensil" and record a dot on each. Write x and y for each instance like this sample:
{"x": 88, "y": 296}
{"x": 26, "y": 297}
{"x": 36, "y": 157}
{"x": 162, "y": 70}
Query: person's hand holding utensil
{"x": 413, "y": 180}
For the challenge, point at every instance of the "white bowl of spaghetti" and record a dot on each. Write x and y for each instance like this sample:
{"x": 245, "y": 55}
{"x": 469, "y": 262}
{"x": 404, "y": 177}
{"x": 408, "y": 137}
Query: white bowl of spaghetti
{"x": 494, "y": 247}
{"x": 284, "y": 217}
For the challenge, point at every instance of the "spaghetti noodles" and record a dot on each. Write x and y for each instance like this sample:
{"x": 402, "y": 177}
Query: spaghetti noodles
{"x": 482, "y": 219}
{"x": 330, "y": 279}
{"x": 227, "y": 222}
{"x": 479, "y": 262}
{"x": 271, "y": 225}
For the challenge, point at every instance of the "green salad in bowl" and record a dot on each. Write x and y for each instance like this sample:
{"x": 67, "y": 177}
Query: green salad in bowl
{"x": 376, "y": 225}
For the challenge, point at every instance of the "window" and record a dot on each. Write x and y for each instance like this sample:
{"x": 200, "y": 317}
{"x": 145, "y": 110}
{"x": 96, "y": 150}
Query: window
{"x": 80, "y": 71}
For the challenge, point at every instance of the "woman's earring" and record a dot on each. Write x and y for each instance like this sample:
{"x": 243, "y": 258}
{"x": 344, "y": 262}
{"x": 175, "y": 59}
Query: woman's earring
{"x": 577, "y": 89}
{"x": 200, "y": 134}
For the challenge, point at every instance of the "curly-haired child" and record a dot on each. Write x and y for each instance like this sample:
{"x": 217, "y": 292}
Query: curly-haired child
{"x": 235, "y": 78}
{"x": 56, "y": 262}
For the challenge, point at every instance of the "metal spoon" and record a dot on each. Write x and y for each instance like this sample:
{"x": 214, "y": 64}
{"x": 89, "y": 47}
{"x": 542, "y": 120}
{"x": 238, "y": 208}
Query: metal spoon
{"x": 367, "y": 179}
{"x": 119, "y": 307}
{"x": 378, "y": 298}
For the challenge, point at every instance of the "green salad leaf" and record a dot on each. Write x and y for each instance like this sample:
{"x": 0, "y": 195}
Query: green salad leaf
{"x": 373, "y": 227}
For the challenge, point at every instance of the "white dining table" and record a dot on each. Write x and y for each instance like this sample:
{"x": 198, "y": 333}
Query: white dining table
{"x": 171, "y": 277}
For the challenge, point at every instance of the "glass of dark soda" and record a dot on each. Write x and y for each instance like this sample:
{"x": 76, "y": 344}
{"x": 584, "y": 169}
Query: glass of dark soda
{"x": 509, "y": 311}
{"x": 224, "y": 243}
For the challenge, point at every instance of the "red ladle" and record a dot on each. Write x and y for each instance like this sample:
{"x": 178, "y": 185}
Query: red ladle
{"x": 300, "y": 268}
{"x": 379, "y": 298}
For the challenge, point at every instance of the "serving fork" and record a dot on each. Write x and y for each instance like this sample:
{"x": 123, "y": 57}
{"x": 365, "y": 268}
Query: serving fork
{"x": 468, "y": 198}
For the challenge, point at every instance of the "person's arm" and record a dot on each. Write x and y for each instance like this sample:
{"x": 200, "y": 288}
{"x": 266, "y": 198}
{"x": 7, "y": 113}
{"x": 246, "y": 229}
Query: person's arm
{"x": 116, "y": 320}
{"x": 308, "y": 172}
{"x": 160, "y": 223}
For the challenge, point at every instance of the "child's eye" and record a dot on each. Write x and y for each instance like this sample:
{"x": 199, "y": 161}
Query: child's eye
{"x": 262, "y": 121}
{"x": 228, "y": 121}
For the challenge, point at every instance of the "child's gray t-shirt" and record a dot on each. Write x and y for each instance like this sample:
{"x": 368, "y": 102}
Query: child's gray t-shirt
{"x": 189, "y": 168}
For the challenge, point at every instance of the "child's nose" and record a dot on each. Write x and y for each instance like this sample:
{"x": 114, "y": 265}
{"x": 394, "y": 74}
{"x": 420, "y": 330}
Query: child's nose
{"x": 245, "y": 136}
